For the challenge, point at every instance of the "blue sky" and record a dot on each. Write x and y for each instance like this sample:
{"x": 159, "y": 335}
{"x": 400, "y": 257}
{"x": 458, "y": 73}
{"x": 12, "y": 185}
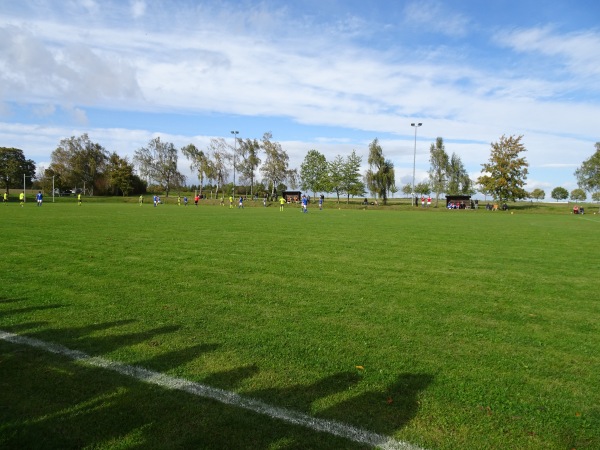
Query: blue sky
{"x": 329, "y": 75}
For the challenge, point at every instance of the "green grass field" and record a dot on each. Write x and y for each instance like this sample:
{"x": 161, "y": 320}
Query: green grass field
{"x": 444, "y": 329}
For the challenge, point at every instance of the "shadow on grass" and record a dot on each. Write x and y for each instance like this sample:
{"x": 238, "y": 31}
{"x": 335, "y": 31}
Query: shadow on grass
{"x": 47, "y": 401}
{"x": 63, "y": 404}
{"x": 11, "y": 300}
{"x": 80, "y": 338}
{"x": 21, "y": 327}
{"x": 170, "y": 360}
{"x": 384, "y": 411}
{"x": 28, "y": 309}
{"x": 381, "y": 411}
{"x": 231, "y": 379}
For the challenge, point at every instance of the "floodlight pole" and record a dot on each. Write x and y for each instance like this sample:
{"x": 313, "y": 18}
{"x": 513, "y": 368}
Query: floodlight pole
{"x": 416, "y": 125}
{"x": 235, "y": 133}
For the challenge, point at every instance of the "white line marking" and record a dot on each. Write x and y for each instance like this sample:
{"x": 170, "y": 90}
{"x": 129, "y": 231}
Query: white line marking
{"x": 355, "y": 434}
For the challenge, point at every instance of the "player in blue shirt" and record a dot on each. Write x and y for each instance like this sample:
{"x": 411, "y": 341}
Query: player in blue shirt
{"x": 39, "y": 197}
{"x": 304, "y": 204}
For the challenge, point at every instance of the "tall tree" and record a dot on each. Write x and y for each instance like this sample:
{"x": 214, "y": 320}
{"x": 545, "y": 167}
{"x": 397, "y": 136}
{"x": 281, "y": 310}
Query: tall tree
{"x": 438, "y": 159}
{"x": 158, "y": 162}
{"x": 588, "y": 175}
{"x": 313, "y": 172}
{"x": 336, "y": 176}
{"x": 506, "y": 172}
{"x": 275, "y": 168}
{"x": 380, "y": 175}
{"x": 459, "y": 182}
{"x": 198, "y": 162}
{"x": 79, "y": 162}
{"x": 120, "y": 175}
{"x": 248, "y": 160}
{"x": 13, "y": 165}
{"x": 351, "y": 183}
{"x": 559, "y": 193}
{"x": 218, "y": 166}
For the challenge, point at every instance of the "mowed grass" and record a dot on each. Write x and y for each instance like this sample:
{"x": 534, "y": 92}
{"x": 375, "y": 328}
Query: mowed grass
{"x": 446, "y": 329}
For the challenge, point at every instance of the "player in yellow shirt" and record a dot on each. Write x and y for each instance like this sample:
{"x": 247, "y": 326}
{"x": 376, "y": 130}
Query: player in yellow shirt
{"x": 79, "y": 199}
{"x": 230, "y": 202}
{"x": 22, "y": 198}
{"x": 281, "y": 203}
{"x": 5, "y": 198}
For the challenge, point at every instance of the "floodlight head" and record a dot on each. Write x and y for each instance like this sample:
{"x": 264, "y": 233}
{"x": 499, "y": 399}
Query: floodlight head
{"x": 416, "y": 124}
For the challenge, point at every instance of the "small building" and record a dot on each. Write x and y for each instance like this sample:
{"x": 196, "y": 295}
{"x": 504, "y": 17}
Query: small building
{"x": 459, "y": 201}
{"x": 292, "y": 196}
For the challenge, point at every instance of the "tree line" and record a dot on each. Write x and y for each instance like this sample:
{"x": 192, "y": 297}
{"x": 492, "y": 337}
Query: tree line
{"x": 77, "y": 162}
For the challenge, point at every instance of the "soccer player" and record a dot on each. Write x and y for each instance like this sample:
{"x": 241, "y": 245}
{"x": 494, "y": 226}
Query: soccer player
{"x": 196, "y": 198}
{"x": 185, "y": 200}
{"x": 321, "y": 198}
{"x": 22, "y": 198}
{"x": 79, "y": 199}
{"x": 141, "y": 200}
{"x": 230, "y": 202}
{"x": 241, "y": 203}
{"x": 5, "y": 198}
{"x": 281, "y": 203}
{"x": 39, "y": 197}
{"x": 304, "y": 204}
{"x": 178, "y": 200}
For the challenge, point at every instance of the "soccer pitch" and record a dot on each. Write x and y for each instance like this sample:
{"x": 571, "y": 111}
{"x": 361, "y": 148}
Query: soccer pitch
{"x": 442, "y": 329}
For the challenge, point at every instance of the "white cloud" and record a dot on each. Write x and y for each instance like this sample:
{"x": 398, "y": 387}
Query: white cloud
{"x": 138, "y": 9}
{"x": 578, "y": 52}
{"x": 34, "y": 69}
{"x": 436, "y": 17}
{"x": 44, "y": 110}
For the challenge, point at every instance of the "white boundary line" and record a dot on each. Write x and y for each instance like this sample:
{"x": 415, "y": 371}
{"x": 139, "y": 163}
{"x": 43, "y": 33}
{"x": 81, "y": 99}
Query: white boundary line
{"x": 357, "y": 435}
